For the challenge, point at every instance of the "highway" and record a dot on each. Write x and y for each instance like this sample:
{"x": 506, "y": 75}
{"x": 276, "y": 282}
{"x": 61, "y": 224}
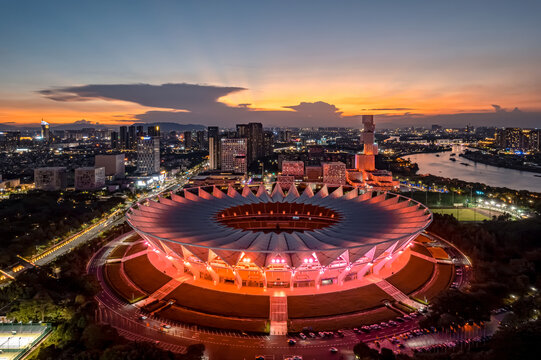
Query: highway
{"x": 106, "y": 223}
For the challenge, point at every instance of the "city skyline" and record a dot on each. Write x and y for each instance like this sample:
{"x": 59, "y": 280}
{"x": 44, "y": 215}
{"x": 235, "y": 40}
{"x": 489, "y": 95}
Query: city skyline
{"x": 302, "y": 64}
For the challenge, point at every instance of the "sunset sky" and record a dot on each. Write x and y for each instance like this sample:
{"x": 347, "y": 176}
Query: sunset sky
{"x": 290, "y": 63}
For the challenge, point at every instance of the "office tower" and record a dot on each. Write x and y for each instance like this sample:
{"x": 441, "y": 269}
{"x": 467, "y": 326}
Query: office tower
{"x": 188, "y": 140}
{"x": 233, "y": 155}
{"x": 334, "y": 173}
{"x": 50, "y": 178}
{"x": 45, "y": 131}
{"x": 268, "y": 143}
{"x": 113, "y": 164}
{"x": 132, "y": 137}
{"x": 153, "y": 131}
{"x": 243, "y": 131}
{"x": 200, "y": 137}
{"x": 140, "y": 131}
{"x": 284, "y": 136}
{"x": 148, "y": 155}
{"x": 253, "y": 132}
{"x": 89, "y": 178}
{"x": 293, "y": 168}
{"x": 214, "y": 147}
{"x": 114, "y": 140}
{"x": 123, "y": 137}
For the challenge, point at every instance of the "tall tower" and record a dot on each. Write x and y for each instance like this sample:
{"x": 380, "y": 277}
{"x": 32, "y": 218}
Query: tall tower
{"x": 366, "y": 160}
{"x": 214, "y": 147}
{"x": 45, "y": 131}
{"x": 367, "y": 136}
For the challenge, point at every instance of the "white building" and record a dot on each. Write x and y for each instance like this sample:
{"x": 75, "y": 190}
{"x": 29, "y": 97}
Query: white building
{"x": 113, "y": 164}
{"x": 148, "y": 155}
{"x": 233, "y": 155}
{"x": 89, "y": 178}
{"x": 50, "y": 178}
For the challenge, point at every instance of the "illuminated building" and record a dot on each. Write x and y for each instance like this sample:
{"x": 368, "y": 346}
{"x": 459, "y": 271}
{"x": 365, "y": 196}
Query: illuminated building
{"x": 293, "y": 168}
{"x": 214, "y": 147}
{"x": 334, "y": 173}
{"x": 148, "y": 155}
{"x": 45, "y": 131}
{"x": 233, "y": 155}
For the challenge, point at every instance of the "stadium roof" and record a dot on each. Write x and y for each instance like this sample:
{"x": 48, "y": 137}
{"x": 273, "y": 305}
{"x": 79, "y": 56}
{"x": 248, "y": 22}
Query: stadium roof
{"x": 352, "y": 225}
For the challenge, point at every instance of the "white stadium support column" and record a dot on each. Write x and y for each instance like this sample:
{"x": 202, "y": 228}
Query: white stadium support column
{"x": 213, "y": 274}
{"x": 365, "y": 269}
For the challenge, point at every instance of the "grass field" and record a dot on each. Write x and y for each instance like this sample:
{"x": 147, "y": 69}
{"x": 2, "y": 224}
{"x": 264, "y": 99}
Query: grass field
{"x": 463, "y": 214}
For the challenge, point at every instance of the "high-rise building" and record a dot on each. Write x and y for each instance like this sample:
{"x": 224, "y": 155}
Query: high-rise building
{"x": 293, "y": 168}
{"x": 255, "y": 142}
{"x": 188, "y": 140}
{"x": 214, "y": 147}
{"x": 50, "y": 178}
{"x": 114, "y": 140}
{"x": 89, "y": 178}
{"x": 45, "y": 131}
{"x": 153, "y": 131}
{"x": 124, "y": 137}
{"x": 148, "y": 155}
{"x": 334, "y": 173}
{"x": 140, "y": 130}
{"x": 200, "y": 136}
{"x": 132, "y": 137}
{"x": 253, "y": 132}
{"x": 113, "y": 164}
{"x": 233, "y": 155}
{"x": 268, "y": 143}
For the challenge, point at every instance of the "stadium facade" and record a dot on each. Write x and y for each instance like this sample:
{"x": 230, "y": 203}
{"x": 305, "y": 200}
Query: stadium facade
{"x": 263, "y": 237}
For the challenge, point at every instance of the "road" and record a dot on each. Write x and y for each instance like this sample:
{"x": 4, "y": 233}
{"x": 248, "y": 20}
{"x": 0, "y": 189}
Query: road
{"x": 105, "y": 224}
{"x": 219, "y": 344}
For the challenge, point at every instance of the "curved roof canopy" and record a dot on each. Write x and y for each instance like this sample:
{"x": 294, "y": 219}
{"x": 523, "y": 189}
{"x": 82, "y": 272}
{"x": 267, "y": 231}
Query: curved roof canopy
{"x": 368, "y": 225}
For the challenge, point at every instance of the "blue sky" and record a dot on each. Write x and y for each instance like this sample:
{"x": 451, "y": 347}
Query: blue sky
{"x": 435, "y": 58}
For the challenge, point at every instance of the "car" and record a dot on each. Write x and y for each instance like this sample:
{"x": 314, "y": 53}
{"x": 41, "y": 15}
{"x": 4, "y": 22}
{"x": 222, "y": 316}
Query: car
{"x": 393, "y": 323}
{"x": 291, "y": 341}
{"x": 166, "y": 326}
{"x": 333, "y": 350}
{"x": 312, "y": 335}
{"x": 321, "y": 334}
{"x": 302, "y": 336}
{"x": 340, "y": 333}
{"x": 260, "y": 357}
{"x": 142, "y": 317}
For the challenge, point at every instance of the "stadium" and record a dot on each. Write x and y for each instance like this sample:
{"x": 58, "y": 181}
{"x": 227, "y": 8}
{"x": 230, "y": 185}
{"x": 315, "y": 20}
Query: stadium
{"x": 267, "y": 259}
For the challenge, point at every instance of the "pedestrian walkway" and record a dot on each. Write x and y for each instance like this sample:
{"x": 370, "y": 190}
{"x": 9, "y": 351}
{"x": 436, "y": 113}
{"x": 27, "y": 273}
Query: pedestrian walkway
{"x": 395, "y": 293}
{"x": 164, "y": 290}
{"x": 278, "y": 315}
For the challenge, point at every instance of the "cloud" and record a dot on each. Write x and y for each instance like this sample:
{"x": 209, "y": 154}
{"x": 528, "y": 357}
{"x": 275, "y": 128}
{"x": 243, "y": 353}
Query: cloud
{"x": 200, "y": 104}
{"x": 498, "y": 108}
{"x": 170, "y": 96}
{"x": 390, "y": 109}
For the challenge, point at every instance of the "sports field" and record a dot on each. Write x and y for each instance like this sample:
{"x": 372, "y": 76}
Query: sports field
{"x": 463, "y": 214}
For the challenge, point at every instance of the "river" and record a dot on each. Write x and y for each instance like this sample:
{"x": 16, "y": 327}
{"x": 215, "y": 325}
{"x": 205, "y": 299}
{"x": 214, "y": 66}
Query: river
{"x": 491, "y": 175}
